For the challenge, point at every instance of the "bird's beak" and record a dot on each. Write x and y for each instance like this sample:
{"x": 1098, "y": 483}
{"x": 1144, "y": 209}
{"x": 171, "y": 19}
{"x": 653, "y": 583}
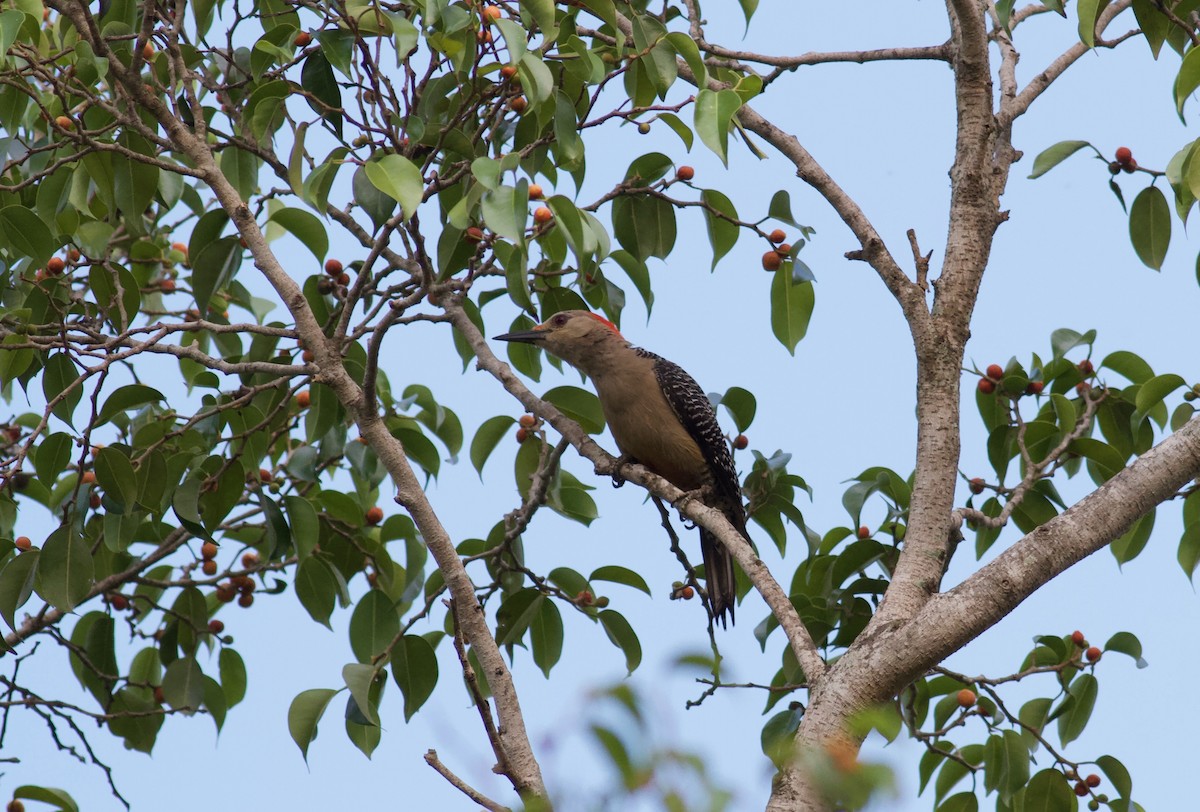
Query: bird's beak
{"x": 525, "y": 337}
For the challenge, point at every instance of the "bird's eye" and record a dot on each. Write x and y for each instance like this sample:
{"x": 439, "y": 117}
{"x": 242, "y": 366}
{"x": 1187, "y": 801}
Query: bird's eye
{"x": 559, "y": 320}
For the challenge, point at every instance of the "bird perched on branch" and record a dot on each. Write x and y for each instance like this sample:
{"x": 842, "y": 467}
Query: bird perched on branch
{"x": 661, "y": 419}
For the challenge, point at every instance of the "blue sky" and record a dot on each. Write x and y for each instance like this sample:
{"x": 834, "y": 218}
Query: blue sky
{"x": 842, "y": 403}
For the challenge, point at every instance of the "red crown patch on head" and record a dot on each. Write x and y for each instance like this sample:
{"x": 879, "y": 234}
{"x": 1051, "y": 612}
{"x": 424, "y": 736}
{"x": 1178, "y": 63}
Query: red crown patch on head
{"x": 606, "y": 322}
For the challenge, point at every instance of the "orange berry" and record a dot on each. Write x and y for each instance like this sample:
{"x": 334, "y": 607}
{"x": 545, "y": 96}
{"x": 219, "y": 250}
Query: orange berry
{"x": 527, "y": 421}
{"x": 226, "y": 592}
{"x": 118, "y": 601}
{"x": 685, "y": 173}
{"x": 508, "y": 71}
{"x": 771, "y": 261}
{"x": 522, "y": 435}
{"x": 1081, "y": 789}
{"x": 585, "y": 598}
{"x": 995, "y": 372}
{"x": 542, "y": 214}
{"x": 740, "y": 442}
{"x": 64, "y": 123}
{"x": 74, "y": 255}
{"x": 1035, "y": 387}
{"x": 265, "y": 475}
{"x": 987, "y": 386}
{"x": 966, "y": 698}
{"x": 491, "y": 13}
{"x": 307, "y": 356}
{"x": 1078, "y": 639}
{"x": 148, "y": 51}
{"x": 784, "y": 249}
{"x": 303, "y": 399}
{"x": 94, "y": 499}
{"x": 250, "y": 560}
{"x": 333, "y": 267}
{"x": 245, "y": 600}
{"x": 687, "y": 593}
{"x": 343, "y": 279}
{"x": 159, "y": 697}
{"x": 180, "y": 247}
{"x": 1092, "y": 780}
{"x": 23, "y": 543}
{"x": 375, "y": 515}
{"x": 215, "y": 626}
{"x": 55, "y": 266}
{"x": 302, "y": 40}
{"x": 777, "y": 236}
{"x": 976, "y": 485}
{"x": 167, "y": 285}
{"x": 517, "y": 104}
{"x": 864, "y": 532}
{"x": 209, "y": 567}
{"x": 1124, "y": 155}
{"x": 1086, "y": 367}
{"x": 535, "y": 192}
{"x": 1093, "y": 654}
{"x": 473, "y": 234}
{"x": 208, "y": 550}
{"x": 1082, "y": 388}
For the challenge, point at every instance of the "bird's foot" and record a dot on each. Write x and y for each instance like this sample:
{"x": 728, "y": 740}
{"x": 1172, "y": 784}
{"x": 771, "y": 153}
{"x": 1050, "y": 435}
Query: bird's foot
{"x": 700, "y": 494}
{"x": 618, "y": 478}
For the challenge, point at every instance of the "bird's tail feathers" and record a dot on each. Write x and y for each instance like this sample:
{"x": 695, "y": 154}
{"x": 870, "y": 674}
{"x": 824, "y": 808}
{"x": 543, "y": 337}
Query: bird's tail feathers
{"x": 719, "y": 573}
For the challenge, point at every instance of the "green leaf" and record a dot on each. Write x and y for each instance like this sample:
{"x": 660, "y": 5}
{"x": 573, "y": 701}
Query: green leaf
{"x": 620, "y": 575}
{"x": 722, "y": 234}
{"x": 124, "y": 399}
{"x": 323, "y": 96}
{"x": 623, "y": 637}
{"x": 305, "y": 712}
{"x": 1131, "y": 366}
{"x": 741, "y": 404}
{"x": 358, "y": 678}
{"x": 1153, "y": 391}
{"x": 378, "y": 206}
{"x": 546, "y": 636}
{"x": 578, "y": 404}
{"x": 415, "y": 670}
{"x": 1052, "y": 156}
{"x": 26, "y": 235}
{"x": 306, "y": 228}
{"x": 317, "y": 589}
{"x": 1088, "y": 11}
{"x": 1150, "y": 226}
{"x": 715, "y": 110}
{"x": 1128, "y": 644}
{"x": 58, "y": 374}
{"x": 115, "y": 474}
{"x": 16, "y": 584}
{"x": 65, "y": 570}
{"x": 778, "y": 737}
{"x": 791, "y": 308}
{"x": 52, "y": 457}
{"x": 505, "y": 210}
{"x": 486, "y": 439}
{"x": 398, "y": 178}
{"x": 57, "y": 798}
{"x": 1048, "y": 791}
{"x": 183, "y": 684}
{"x": 644, "y": 226}
{"x": 1117, "y": 774}
{"x": 233, "y": 676}
{"x": 1134, "y": 540}
{"x": 373, "y": 626}
{"x": 1187, "y": 80}
{"x": 1077, "y": 707}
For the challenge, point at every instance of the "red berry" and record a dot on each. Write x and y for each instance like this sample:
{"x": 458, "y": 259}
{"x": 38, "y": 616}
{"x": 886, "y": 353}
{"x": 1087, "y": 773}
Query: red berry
{"x": 208, "y": 550}
{"x": 687, "y": 593}
{"x": 215, "y": 626}
{"x": 209, "y": 567}
{"x": 226, "y": 592}
{"x": 1093, "y": 654}
{"x": 303, "y": 399}
{"x": 1083, "y": 387}
{"x": 1130, "y": 167}
{"x": 864, "y": 532}
{"x": 88, "y": 478}
{"x": 771, "y": 261}
{"x": 94, "y": 500}
{"x": 55, "y": 266}
{"x": 473, "y": 234}
{"x": 585, "y": 598}
{"x": 542, "y": 215}
{"x": 535, "y": 192}
{"x": 245, "y": 600}
{"x": 1035, "y": 387}
{"x": 987, "y": 386}
{"x": 167, "y": 285}
{"x": 118, "y": 601}
{"x": 995, "y": 372}
{"x": 777, "y": 236}
{"x": 527, "y": 421}
{"x": 508, "y": 71}
{"x": 250, "y": 560}
{"x": 966, "y": 698}
{"x": 302, "y": 40}
{"x": 375, "y": 515}
{"x": 1081, "y": 789}
{"x": 1124, "y": 155}
{"x": 976, "y": 485}
{"x": 517, "y": 104}
{"x": 333, "y": 267}
{"x": 1092, "y": 780}
{"x": 522, "y": 434}
{"x": 1078, "y": 639}
{"x": 1085, "y": 367}
{"x": 685, "y": 173}
{"x": 784, "y": 249}
{"x": 343, "y": 279}
{"x": 740, "y": 442}
{"x": 23, "y": 543}
{"x": 159, "y": 697}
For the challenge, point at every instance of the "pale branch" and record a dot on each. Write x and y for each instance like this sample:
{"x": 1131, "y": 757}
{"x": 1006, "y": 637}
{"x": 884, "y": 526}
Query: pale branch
{"x": 49, "y": 616}
{"x": 605, "y": 464}
{"x": 1012, "y": 108}
{"x": 1034, "y": 470}
{"x": 953, "y": 618}
{"x": 518, "y": 519}
{"x": 431, "y": 758}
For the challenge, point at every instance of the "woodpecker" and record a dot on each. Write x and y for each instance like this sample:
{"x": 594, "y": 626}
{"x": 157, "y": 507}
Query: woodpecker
{"x": 661, "y": 419}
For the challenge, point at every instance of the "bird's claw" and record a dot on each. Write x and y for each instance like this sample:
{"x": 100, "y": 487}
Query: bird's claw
{"x": 617, "y": 478}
